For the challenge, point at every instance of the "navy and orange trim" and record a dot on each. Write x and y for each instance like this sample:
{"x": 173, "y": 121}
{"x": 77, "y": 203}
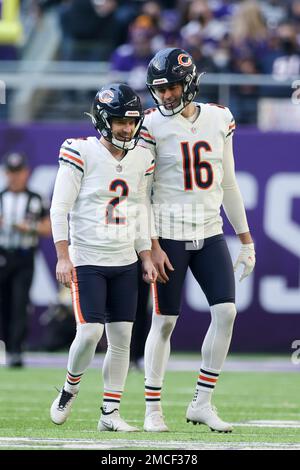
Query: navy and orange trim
{"x": 73, "y": 379}
{"x": 150, "y": 170}
{"x": 72, "y": 157}
{"x": 112, "y": 397}
{"x": 75, "y": 299}
{"x": 152, "y": 394}
{"x": 207, "y": 379}
{"x": 146, "y": 136}
{"x": 155, "y": 298}
{"x": 231, "y": 127}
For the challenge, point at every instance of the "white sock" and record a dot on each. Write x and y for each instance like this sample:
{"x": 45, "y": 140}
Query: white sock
{"x": 116, "y": 363}
{"x": 81, "y": 353}
{"x": 214, "y": 350}
{"x": 157, "y": 352}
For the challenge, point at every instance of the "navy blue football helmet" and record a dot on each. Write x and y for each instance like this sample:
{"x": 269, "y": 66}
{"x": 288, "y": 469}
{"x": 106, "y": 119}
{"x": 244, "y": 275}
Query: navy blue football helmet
{"x": 169, "y": 66}
{"x": 117, "y": 100}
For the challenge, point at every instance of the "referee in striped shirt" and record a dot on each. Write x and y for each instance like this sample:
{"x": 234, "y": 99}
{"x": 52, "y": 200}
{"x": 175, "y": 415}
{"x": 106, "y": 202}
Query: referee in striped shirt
{"x": 23, "y": 219}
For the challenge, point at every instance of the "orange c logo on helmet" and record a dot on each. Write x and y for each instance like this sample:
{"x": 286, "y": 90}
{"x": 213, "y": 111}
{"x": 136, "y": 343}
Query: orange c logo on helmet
{"x": 106, "y": 96}
{"x": 185, "y": 60}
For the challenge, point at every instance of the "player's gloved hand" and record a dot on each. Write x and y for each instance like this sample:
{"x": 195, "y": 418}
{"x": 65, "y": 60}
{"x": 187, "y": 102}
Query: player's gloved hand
{"x": 247, "y": 258}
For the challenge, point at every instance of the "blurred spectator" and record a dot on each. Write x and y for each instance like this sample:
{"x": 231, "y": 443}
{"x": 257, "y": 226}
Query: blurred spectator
{"x": 223, "y": 9}
{"x": 153, "y": 10}
{"x": 283, "y": 59}
{"x": 168, "y": 34}
{"x": 274, "y": 12}
{"x": 199, "y": 16}
{"x": 166, "y": 23}
{"x": 248, "y": 30}
{"x": 134, "y": 56}
{"x": 249, "y": 43}
{"x": 243, "y": 102}
{"x": 294, "y": 16}
{"x": 90, "y": 29}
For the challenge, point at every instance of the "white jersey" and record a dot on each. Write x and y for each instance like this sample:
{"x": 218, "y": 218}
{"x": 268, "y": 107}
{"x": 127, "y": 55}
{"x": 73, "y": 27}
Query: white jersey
{"x": 187, "y": 186}
{"x": 101, "y": 195}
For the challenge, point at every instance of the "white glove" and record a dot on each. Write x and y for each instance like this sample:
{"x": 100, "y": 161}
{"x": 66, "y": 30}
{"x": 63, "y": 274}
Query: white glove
{"x": 247, "y": 258}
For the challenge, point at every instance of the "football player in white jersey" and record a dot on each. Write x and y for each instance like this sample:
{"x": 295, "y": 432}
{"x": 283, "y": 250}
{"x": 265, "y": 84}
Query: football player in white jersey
{"x": 194, "y": 176}
{"x": 103, "y": 185}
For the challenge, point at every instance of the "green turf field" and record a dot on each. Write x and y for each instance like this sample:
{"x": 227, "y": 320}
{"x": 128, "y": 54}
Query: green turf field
{"x": 241, "y": 397}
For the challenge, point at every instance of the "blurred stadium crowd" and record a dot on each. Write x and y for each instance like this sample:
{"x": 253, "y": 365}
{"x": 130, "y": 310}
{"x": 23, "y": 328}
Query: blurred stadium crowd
{"x": 224, "y": 36}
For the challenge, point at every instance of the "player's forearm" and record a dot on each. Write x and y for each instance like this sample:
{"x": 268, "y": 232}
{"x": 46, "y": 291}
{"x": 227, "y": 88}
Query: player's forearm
{"x": 59, "y": 223}
{"x": 62, "y": 250}
{"x": 245, "y": 238}
{"x": 145, "y": 255}
{"x": 232, "y": 199}
{"x": 235, "y": 210}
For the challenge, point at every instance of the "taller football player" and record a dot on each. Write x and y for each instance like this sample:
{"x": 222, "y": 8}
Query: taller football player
{"x": 103, "y": 185}
{"x": 194, "y": 176}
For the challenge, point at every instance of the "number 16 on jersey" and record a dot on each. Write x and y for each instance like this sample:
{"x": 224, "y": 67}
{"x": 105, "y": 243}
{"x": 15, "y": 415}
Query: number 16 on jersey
{"x": 195, "y": 170}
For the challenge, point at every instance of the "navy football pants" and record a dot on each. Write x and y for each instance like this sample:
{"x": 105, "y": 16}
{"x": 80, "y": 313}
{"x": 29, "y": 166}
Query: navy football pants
{"x": 211, "y": 266}
{"x": 104, "y": 294}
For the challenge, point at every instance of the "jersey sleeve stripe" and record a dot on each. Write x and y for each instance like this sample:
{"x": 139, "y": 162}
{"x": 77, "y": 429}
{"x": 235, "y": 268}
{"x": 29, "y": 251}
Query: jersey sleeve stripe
{"x": 77, "y": 160}
{"x": 147, "y": 140}
{"x": 70, "y": 150}
{"x": 230, "y": 133}
{"x": 70, "y": 163}
{"x": 146, "y": 134}
{"x": 150, "y": 168}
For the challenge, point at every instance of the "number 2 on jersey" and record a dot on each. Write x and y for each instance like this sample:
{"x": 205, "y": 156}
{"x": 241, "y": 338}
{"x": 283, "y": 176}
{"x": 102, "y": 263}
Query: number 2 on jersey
{"x": 195, "y": 170}
{"x": 114, "y": 185}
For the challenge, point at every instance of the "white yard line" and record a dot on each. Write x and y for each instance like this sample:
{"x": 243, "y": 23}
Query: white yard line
{"x": 123, "y": 444}
{"x": 92, "y": 444}
{"x": 269, "y": 424}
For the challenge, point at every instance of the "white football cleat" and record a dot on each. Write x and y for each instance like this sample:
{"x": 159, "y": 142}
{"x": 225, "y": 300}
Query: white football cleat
{"x": 154, "y": 422}
{"x": 112, "y": 421}
{"x": 61, "y": 407}
{"x": 207, "y": 414}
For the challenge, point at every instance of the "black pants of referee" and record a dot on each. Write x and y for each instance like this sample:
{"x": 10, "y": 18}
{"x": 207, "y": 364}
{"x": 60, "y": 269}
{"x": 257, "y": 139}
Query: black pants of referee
{"x": 16, "y": 273}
